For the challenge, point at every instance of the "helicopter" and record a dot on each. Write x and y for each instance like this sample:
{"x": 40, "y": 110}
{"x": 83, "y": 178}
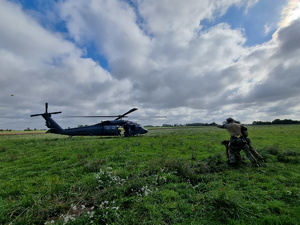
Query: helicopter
{"x": 105, "y": 128}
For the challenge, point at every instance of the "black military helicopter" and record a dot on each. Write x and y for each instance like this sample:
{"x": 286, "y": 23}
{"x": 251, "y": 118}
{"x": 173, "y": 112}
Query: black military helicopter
{"x": 105, "y": 128}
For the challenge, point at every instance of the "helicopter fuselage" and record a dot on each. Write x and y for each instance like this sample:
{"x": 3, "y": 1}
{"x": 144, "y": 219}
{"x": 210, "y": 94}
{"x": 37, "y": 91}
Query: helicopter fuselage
{"x": 105, "y": 128}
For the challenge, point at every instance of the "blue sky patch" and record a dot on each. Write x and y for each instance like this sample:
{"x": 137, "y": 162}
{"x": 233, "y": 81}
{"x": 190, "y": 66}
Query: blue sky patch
{"x": 259, "y": 22}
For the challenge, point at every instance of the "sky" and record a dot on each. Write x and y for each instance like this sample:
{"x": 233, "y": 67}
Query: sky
{"x": 191, "y": 61}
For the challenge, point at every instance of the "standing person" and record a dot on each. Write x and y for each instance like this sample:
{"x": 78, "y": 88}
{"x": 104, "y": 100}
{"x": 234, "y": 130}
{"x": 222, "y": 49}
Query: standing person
{"x": 237, "y": 141}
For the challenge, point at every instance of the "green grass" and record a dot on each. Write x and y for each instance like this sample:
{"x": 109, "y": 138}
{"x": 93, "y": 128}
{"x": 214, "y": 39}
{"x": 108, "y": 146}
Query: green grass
{"x": 169, "y": 176}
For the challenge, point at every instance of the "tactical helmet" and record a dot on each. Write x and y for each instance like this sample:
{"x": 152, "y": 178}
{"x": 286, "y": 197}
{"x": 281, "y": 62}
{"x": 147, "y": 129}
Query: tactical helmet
{"x": 229, "y": 120}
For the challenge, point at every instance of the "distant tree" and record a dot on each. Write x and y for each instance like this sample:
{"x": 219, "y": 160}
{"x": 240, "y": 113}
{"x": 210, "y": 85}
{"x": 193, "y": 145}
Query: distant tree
{"x": 261, "y": 123}
{"x": 201, "y": 124}
{"x": 285, "y": 121}
{"x": 276, "y": 121}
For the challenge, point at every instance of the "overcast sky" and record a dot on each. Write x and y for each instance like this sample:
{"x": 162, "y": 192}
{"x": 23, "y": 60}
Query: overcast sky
{"x": 192, "y": 60}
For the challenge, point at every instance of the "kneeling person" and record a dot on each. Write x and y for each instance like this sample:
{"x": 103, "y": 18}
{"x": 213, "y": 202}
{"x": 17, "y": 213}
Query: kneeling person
{"x": 237, "y": 141}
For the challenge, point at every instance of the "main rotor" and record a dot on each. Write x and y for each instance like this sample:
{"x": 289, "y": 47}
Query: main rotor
{"x": 118, "y": 117}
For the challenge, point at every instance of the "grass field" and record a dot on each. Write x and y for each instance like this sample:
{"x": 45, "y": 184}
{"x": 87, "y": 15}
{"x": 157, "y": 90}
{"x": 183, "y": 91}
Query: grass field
{"x": 169, "y": 176}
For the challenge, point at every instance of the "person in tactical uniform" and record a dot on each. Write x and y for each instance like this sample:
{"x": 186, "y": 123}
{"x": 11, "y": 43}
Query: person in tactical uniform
{"x": 237, "y": 155}
{"x": 237, "y": 141}
{"x": 251, "y": 149}
{"x": 244, "y": 131}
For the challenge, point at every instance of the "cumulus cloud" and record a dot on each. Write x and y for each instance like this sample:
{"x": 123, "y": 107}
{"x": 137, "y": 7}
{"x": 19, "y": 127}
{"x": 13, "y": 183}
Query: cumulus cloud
{"x": 160, "y": 59}
{"x": 277, "y": 66}
{"x": 110, "y": 24}
{"x": 38, "y": 65}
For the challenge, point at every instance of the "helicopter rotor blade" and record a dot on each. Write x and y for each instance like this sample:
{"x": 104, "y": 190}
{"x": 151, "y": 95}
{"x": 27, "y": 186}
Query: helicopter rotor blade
{"x": 147, "y": 117}
{"x": 41, "y": 114}
{"x": 159, "y": 117}
{"x": 37, "y": 115}
{"x": 117, "y": 117}
{"x": 95, "y": 116}
{"x": 130, "y": 111}
{"x": 55, "y": 112}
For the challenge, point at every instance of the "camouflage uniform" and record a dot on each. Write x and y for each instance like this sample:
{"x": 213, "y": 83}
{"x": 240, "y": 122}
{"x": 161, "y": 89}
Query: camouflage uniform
{"x": 237, "y": 141}
{"x": 252, "y": 150}
{"x": 237, "y": 155}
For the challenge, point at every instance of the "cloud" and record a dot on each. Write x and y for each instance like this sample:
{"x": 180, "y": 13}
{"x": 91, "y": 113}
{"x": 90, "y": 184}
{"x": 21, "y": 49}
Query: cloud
{"x": 290, "y": 13}
{"x": 288, "y": 38}
{"x": 276, "y": 63}
{"x": 38, "y": 65}
{"x": 110, "y": 24}
{"x": 24, "y": 37}
{"x": 160, "y": 59}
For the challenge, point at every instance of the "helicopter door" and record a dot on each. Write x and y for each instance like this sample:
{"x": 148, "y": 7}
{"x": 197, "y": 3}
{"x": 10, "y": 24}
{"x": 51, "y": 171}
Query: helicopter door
{"x": 126, "y": 130}
{"x": 133, "y": 130}
{"x": 110, "y": 130}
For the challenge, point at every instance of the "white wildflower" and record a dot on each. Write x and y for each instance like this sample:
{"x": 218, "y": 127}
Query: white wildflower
{"x": 74, "y": 207}
{"x": 68, "y": 218}
{"x": 91, "y": 214}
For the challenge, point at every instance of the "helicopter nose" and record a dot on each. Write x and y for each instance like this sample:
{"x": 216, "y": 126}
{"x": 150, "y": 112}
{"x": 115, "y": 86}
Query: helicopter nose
{"x": 144, "y": 131}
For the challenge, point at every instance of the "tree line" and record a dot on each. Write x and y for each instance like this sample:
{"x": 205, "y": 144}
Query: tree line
{"x": 276, "y": 121}
{"x": 189, "y": 124}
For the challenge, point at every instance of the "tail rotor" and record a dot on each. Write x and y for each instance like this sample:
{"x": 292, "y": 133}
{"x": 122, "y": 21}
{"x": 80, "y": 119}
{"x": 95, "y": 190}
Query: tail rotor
{"x": 46, "y": 107}
{"x": 46, "y": 112}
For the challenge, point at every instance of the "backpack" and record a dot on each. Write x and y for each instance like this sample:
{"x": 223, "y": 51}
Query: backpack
{"x": 244, "y": 131}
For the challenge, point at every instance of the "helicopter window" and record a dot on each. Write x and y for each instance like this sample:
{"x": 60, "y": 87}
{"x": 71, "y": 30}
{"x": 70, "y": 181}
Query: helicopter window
{"x": 108, "y": 127}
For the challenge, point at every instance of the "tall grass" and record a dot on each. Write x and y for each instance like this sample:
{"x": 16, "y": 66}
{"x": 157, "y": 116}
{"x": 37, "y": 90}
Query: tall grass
{"x": 169, "y": 176}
